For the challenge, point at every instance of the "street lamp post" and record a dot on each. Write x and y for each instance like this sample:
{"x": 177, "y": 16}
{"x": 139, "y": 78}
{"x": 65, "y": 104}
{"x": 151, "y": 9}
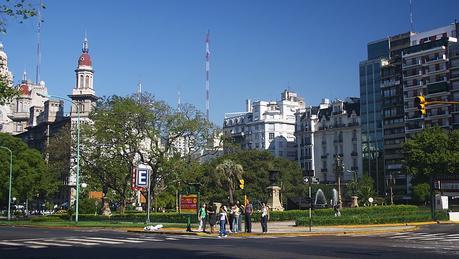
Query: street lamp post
{"x": 339, "y": 166}
{"x": 10, "y": 180}
{"x": 78, "y": 146}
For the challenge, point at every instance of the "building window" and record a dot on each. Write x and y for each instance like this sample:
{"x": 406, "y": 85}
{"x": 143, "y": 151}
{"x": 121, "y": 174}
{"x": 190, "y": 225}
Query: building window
{"x": 324, "y": 164}
{"x": 87, "y": 82}
{"x": 81, "y": 81}
{"x": 354, "y": 162}
{"x": 271, "y": 136}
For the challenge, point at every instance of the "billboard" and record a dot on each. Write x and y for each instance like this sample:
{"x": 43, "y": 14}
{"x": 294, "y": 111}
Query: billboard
{"x": 188, "y": 203}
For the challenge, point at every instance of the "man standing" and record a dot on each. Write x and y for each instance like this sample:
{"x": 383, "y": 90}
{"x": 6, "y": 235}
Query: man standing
{"x": 202, "y": 218}
{"x": 248, "y": 216}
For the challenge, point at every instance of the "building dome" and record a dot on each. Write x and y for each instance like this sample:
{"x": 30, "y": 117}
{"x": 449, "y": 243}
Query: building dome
{"x": 85, "y": 60}
{"x": 24, "y": 89}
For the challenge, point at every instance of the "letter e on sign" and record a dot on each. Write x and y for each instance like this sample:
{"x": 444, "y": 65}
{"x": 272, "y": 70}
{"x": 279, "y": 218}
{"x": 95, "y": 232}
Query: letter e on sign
{"x": 142, "y": 177}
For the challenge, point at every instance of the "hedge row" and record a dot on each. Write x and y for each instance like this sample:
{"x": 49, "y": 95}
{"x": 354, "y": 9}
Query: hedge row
{"x": 362, "y": 219}
{"x": 172, "y": 217}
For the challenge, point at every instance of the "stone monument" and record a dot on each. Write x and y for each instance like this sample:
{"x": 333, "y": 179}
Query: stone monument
{"x": 274, "y": 192}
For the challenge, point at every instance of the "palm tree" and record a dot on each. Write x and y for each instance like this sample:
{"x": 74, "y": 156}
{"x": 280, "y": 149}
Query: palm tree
{"x": 229, "y": 173}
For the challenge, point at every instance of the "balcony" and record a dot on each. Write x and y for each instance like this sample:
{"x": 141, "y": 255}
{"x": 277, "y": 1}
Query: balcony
{"x": 324, "y": 156}
{"x": 354, "y": 153}
{"x": 407, "y": 65}
{"x": 353, "y": 124}
{"x": 411, "y": 76}
{"x": 388, "y": 83}
{"x": 437, "y": 87}
{"x": 324, "y": 170}
{"x": 441, "y": 58}
{"x": 354, "y": 168}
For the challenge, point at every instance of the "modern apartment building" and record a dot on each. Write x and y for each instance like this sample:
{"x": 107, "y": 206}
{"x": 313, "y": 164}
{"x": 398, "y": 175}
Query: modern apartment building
{"x": 393, "y": 115}
{"x": 427, "y": 71}
{"x": 266, "y": 125}
{"x": 326, "y": 131}
{"x": 371, "y": 111}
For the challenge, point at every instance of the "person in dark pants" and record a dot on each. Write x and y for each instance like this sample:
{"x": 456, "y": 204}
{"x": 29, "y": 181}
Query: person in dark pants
{"x": 231, "y": 218}
{"x": 248, "y": 217}
{"x": 264, "y": 217}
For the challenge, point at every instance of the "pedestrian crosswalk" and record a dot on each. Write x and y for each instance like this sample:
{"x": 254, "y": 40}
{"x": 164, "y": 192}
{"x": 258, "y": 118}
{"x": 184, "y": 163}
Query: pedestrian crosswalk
{"x": 88, "y": 241}
{"x": 421, "y": 236}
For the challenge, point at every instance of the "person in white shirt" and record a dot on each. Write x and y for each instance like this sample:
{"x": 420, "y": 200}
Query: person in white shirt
{"x": 223, "y": 218}
{"x": 264, "y": 217}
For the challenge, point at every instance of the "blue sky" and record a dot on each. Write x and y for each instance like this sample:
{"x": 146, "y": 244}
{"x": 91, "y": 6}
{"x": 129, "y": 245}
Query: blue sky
{"x": 258, "y": 48}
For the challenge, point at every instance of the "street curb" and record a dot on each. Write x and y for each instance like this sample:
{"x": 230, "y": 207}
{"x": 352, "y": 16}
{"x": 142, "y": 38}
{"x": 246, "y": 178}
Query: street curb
{"x": 285, "y": 234}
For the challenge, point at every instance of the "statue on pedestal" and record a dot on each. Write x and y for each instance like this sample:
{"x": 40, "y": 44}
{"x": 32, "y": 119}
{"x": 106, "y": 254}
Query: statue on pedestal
{"x": 274, "y": 192}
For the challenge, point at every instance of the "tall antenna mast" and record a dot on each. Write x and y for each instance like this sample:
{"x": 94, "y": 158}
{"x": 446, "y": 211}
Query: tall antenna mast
{"x": 179, "y": 100}
{"x": 37, "y": 76}
{"x": 139, "y": 92}
{"x": 411, "y": 17}
{"x": 207, "y": 73}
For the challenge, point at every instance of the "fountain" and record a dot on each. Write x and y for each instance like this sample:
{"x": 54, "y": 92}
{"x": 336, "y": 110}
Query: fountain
{"x": 320, "y": 200}
{"x": 335, "y": 197}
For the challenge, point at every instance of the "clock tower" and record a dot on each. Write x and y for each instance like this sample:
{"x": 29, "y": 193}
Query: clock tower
{"x": 83, "y": 93}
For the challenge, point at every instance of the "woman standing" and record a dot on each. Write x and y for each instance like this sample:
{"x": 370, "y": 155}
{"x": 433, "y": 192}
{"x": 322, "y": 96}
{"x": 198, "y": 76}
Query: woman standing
{"x": 264, "y": 217}
{"x": 223, "y": 219}
{"x": 212, "y": 218}
{"x": 236, "y": 212}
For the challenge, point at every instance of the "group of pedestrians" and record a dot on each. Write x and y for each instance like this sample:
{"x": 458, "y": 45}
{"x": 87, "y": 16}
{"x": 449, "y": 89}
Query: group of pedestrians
{"x": 232, "y": 216}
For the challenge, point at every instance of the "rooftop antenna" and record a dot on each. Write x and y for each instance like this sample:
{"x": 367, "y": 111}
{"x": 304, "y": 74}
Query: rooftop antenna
{"x": 207, "y": 73}
{"x": 411, "y": 17}
{"x": 37, "y": 76}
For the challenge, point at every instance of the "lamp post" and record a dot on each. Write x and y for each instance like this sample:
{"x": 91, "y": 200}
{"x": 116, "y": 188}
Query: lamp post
{"x": 339, "y": 167}
{"x": 78, "y": 146}
{"x": 9, "y": 184}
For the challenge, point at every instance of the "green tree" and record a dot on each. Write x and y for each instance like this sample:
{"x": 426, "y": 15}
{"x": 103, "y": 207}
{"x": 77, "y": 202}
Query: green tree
{"x": 17, "y": 9}
{"x": 57, "y": 153}
{"x": 29, "y": 170}
{"x": 365, "y": 189}
{"x": 139, "y": 129}
{"x": 432, "y": 151}
{"x": 421, "y": 193}
{"x": 256, "y": 166}
{"x": 228, "y": 174}
{"x": 109, "y": 147}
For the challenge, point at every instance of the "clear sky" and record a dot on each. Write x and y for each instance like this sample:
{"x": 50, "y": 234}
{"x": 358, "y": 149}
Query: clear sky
{"x": 258, "y": 48}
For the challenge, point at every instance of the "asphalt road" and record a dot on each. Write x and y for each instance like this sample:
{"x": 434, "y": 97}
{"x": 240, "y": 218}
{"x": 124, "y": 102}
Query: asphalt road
{"x": 20, "y": 242}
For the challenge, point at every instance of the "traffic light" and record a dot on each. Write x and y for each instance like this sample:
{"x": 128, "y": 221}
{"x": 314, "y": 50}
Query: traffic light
{"x": 420, "y": 103}
{"x": 241, "y": 184}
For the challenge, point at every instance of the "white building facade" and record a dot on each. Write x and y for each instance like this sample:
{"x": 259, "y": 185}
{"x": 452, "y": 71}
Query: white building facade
{"x": 266, "y": 125}
{"x": 326, "y": 131}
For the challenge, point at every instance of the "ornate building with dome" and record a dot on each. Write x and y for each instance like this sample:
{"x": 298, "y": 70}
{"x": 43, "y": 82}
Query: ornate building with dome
{"x": 46, "y": 117}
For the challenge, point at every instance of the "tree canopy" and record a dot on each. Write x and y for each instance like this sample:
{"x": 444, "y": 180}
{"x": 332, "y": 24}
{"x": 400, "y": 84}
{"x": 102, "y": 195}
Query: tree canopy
{"x": 432, "y": 151}
{"x": 30, "y": 177}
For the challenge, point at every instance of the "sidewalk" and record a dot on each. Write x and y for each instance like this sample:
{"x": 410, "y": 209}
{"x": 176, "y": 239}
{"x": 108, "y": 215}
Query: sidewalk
{"x": 288, "y": 228}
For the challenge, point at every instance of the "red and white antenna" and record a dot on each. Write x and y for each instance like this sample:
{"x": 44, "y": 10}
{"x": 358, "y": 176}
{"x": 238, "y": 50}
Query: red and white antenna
{"x": 207, "y": 73}
{"x": 37, "y": 75}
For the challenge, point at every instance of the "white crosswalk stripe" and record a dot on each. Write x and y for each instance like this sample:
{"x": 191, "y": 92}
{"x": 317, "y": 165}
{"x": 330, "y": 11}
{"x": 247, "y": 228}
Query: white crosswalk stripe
{"x": 420, "y": 237}
{"x": 87, "y": 241}
{"x": 42, "y": 243}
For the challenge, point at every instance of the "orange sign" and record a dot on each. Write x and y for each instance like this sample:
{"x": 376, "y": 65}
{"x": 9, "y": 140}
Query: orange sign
{"x": 96, "y": 195}
{"x": 189, "y": 204}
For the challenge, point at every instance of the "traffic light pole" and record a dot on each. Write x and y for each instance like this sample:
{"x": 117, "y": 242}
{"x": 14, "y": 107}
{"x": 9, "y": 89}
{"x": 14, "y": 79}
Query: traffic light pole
{"x": 310, "y": 205}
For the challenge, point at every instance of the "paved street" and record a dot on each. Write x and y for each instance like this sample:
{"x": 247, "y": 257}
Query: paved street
{"x": 428, "y": 242}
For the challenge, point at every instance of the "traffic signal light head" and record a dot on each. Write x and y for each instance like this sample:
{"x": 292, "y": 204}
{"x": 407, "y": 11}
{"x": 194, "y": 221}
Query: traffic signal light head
{"x": 420, "y": 103}
{"x": 241, "y": 184}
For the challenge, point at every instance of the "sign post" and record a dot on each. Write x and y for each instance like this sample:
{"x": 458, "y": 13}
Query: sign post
{"x": 143, "y": 181}
{"x": 188, "y": 205}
